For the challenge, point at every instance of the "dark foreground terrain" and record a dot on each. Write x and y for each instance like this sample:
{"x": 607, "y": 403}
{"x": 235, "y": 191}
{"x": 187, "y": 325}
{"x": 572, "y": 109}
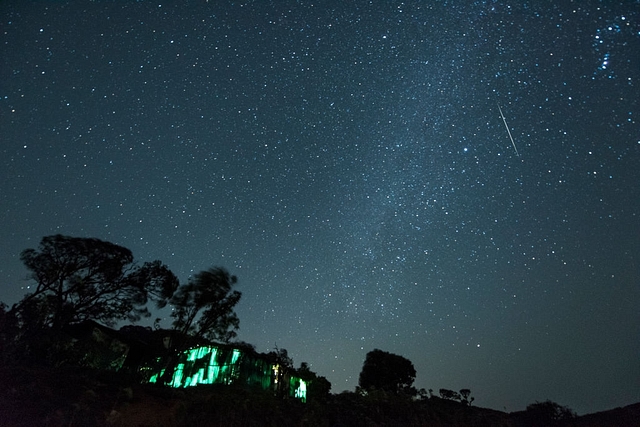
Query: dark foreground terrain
{"x": 75, "y": 397}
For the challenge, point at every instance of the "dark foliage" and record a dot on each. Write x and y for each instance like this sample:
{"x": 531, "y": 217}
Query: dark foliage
{"x": 318, "y": 387}
{"x": 386, "y": 371}
{"x": 203, "y": 311}
{"x": 281, "y": 357}
{"x": 34, "y": 396}
{"x": 203, "y": 308}
{"x": 545, "y": 413}
{"x": 465, "y": 394}
{"x": 449, "y": 394}
{"x": 79, "y": 279}
{"x": 549, "y": 410}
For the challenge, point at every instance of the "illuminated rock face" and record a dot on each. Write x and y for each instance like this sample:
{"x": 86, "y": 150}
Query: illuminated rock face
{"x": 226, "y": 365}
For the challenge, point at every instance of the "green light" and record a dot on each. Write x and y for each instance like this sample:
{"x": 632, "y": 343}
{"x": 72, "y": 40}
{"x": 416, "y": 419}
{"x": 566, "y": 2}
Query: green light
{"x": 212, "y": 369}
{"x": 299, "y": 388}
{"x": 202, "y": 351}
{"x": 177, "y": 376}
{"x": 224, "y": 365}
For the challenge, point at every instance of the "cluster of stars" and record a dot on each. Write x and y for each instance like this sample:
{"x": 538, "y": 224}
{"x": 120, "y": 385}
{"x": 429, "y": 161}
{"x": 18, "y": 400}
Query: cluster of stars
{"x": 350, "y": 165}
{"x": 610, "y": 39}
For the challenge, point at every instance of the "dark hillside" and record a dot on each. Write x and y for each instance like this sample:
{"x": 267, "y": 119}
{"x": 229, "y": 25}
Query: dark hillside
{"x": 628, "y": 416}
{"x": 81, "y": 397}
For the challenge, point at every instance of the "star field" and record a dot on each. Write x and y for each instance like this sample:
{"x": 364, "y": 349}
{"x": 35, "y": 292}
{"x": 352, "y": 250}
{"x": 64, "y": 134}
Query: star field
{"x": 349, "y": 163}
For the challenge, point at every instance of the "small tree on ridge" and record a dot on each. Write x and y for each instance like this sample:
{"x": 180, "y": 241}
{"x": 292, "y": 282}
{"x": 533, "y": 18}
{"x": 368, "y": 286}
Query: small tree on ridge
{"x": 386, "y": 371}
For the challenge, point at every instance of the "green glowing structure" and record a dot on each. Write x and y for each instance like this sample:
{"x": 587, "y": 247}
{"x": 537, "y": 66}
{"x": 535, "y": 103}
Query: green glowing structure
{"x": 227, "y": 365}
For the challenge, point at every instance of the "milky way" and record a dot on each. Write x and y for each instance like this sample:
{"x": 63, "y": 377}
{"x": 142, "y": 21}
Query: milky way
{"x": 350, "y": 164}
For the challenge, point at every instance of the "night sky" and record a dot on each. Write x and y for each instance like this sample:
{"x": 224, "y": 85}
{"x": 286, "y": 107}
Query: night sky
{"x": 349, "y": 162}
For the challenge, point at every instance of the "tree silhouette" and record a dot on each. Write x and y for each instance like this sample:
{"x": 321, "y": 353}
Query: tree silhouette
{"x": 203, "y": 308}
{"x": 85, "y": 278}
{"x": 282, "y": 368}
{"x": 449, "y": 394}
{"x": 386, "y": 371}
{"x": 318, "y": 387}
{"x": 549, "y": 412}
{"x": 203, "y": 311}
{"x": 465, "y": 393}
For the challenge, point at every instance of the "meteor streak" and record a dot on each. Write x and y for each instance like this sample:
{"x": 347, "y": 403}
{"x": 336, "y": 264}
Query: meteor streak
{"x": 507, "y": 126}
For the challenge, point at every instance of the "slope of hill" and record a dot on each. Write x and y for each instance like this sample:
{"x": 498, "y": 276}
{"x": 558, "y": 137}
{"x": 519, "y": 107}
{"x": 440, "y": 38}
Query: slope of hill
{"x": 64, "y": 397}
